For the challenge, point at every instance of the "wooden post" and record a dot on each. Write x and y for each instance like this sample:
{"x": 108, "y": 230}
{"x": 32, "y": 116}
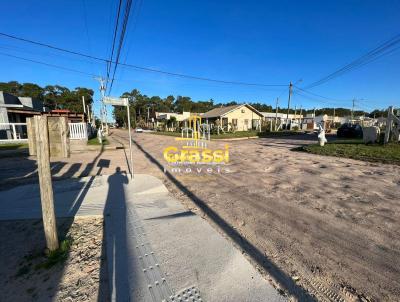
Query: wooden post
{"x": 388, "y": 125}
{"x": 30, "y": 127}
{"x": 46, "y": 189}
{"x": 64, "y": 133}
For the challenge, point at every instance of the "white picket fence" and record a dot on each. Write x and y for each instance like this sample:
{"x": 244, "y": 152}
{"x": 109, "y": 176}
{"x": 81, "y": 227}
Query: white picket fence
{"x": 79, "y": 130}
{"x": 13, "y": 133}
{"x": 17, "y": 132}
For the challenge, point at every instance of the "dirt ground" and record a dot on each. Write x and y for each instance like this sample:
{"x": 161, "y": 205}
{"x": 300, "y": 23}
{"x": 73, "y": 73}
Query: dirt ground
{"x": 25, "y": 273}
{"x": 331, "y": 225}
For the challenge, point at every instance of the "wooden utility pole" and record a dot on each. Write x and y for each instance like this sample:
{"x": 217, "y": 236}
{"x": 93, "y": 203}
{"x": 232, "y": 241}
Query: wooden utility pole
{"x": 83, "y": 104}
{"x": 288, "y": 104}
{"x": 301, "y": 118}
{"x": 130, "y": 136}
{"x": 276, "y": 114}
{"x": 352, "y": 111}
{"x": 333, "y": 118}
{"x": 46, "y": 189}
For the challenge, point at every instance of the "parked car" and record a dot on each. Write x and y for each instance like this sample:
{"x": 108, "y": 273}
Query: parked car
{"x": 138, "y": 130}
{"x": 350, "y": 131}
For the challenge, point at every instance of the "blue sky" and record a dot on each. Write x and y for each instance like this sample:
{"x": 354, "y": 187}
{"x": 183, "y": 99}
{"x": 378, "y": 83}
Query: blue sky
{"x": 251, "y": 41}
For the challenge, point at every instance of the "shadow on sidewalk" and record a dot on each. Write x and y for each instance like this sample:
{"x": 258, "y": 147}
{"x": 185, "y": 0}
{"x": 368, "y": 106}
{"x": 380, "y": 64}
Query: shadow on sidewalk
{"x": 285, "y": 281}
{"x": 114, "y": 264}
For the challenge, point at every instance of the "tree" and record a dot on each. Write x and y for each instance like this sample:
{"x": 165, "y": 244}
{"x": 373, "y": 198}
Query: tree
{"x": 53, "y": 96}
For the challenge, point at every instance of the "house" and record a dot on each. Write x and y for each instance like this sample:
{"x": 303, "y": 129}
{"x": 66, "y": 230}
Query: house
{"x": 13, "y": 113}
{"x": 72, "y": 117}
{"x": 242, "y": 117}
{"x": 310, "y": 122}
{"x": 160, "y": 116}
{"x": 268, "y": 116}
{"x": 15, "y": 109}
{"x": 163, "y": 119}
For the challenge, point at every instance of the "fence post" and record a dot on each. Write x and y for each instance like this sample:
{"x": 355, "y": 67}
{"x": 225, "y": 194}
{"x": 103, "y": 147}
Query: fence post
{"x": 46, "y": 189}
{"x": 14, "y": 132}
{"x": 64, "y": 132}
{"x": 30, "y": 127}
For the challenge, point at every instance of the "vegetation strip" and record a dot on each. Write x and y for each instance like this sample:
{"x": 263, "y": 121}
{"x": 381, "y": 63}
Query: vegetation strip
{"x": 356, "y": 149}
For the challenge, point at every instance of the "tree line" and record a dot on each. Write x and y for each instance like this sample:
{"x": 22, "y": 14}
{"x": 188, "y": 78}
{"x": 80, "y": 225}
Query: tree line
{"x": 52, "y": 96}
{"x": 143, "y": 106}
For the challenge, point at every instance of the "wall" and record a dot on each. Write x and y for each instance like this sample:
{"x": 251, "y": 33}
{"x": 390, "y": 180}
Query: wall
{"x": 242, "y": 116}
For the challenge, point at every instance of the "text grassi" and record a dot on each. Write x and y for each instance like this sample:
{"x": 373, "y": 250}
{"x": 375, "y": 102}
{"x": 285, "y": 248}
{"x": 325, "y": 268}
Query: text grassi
{"x": 175, "y": 155}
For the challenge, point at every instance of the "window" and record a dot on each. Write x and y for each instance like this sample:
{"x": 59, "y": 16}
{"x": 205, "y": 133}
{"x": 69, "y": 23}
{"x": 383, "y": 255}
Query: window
{"x": 234, "y": 121}
{"x": 243, "y": 111}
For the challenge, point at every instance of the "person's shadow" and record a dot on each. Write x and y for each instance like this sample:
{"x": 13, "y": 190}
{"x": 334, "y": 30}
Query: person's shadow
{"x": 114, "y": 238}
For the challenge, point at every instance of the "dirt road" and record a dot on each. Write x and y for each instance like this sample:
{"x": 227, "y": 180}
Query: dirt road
{"x": 327, "y": 224}
{"x": 331, "y": 224}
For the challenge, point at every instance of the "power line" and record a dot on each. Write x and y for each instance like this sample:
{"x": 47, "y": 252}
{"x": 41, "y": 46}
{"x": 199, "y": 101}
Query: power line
{"x": 193, "y": 77}
{"x": 313, "y": 99}
{"x": 318, "y": 95}
{"x": 121, "y": 40}
{"x": 382, "y": 50}
{"x": 114, "y": 38}
{"x": 48, "y": 64}
{"x": 137, "y": 7}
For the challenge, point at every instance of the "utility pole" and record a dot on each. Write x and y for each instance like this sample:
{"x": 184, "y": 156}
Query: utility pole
{"x": 288, "y": 105}
{"x": 88, "y": 113}
{"x": 102, "y": 92}
{"x": 301, "y": 118}
{"x": 276, "y": 114}
{"x": 83, "y": 102}
{"x": 130, "y": 136}
{"x": 333, "y": 120}
{"x": 352, "y": 111}
{"x": 148, "y": 115}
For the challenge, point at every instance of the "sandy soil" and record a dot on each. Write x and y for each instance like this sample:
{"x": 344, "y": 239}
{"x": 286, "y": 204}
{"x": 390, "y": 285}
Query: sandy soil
{"x": 331, "y": 224}
{"x": 80, "y": 278}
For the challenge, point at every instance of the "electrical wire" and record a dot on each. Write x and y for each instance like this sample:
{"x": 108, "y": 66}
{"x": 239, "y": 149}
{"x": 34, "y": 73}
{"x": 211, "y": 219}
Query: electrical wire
{"x": 376, "y": 53}
{"x": 48, "y": 64}
{"x": 318, "y": 95}
{"x": 121, "y": 40}
{"x": 313, "y": 99}
{"x": 193, "y": 77}
{"x": 113, "y": 43}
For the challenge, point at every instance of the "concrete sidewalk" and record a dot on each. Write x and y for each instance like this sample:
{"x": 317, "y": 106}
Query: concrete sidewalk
{"x": 156, "y": 249}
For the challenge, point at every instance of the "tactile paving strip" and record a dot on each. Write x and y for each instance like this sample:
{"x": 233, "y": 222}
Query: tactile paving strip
{"x": 157, "y": 284}
{"x": 190, "y": 294}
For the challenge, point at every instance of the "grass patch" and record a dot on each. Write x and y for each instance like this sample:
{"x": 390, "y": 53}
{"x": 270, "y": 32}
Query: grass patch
{"x": 57, "y": 256}
{"x": 167, "y": 133}
{"x": 13, "y": 146}
{"x": 239, "y": 134}
{"x": 356, "y": 149}
{"x": 95, "y": 142}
